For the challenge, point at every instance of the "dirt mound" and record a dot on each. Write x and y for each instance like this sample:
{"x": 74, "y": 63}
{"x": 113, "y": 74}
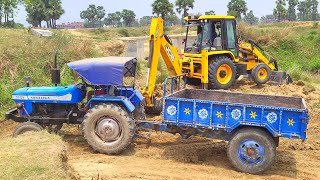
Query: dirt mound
{"x": 33, "y": 156}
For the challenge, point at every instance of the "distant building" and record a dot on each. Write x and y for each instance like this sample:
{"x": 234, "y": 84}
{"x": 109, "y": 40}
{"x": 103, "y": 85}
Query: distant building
{"x": 73, "y": 25}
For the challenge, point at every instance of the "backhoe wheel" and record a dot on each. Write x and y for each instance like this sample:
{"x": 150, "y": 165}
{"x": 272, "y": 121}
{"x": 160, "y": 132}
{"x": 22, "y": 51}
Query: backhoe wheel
{"x": 108, "y": 128}
{"x": 26, "y": 127}
{"x": 261, "y": 73}
{"x": 251, "y": 150}
{"x": 222, "y": 73}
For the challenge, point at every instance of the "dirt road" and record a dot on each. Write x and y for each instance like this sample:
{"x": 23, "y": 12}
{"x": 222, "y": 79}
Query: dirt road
{"x": 171, "y": 157}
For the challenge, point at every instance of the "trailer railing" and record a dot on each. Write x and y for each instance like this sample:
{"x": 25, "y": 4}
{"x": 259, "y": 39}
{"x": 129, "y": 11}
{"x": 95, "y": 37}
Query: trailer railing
{"x": 176, "y": 83}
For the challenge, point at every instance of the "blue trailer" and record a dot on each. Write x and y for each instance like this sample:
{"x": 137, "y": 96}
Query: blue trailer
{"x": 251, "y": 123}
{"x": 110, "y": 112}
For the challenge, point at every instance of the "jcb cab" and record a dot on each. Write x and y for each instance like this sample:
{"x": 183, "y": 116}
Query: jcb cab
{"x": 216, "y": 57}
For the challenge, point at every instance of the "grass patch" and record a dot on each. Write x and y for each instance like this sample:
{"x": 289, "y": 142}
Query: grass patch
{"x": 33, "y": 156}
{"x": 22, "y": 54}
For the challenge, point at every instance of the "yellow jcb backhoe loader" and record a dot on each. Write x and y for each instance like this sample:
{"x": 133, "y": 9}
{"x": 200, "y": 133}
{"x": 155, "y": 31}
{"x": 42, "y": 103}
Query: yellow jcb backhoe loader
{"x": 215, "y": 57}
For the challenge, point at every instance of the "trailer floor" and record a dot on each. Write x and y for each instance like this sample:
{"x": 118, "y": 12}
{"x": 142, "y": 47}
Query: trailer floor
{"x": 170, "y": 157}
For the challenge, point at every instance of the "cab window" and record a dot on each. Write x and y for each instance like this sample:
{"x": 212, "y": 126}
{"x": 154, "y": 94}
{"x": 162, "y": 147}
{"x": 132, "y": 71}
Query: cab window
{"x": 231, "y": 34}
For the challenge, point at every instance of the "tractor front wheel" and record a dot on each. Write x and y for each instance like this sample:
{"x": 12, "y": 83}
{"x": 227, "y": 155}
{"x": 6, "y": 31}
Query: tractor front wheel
{"x": 108, "y": 128}
{"x": 222, "y": 73}
{"x": 261, "y": 73}
{"x": 26, "y": 127}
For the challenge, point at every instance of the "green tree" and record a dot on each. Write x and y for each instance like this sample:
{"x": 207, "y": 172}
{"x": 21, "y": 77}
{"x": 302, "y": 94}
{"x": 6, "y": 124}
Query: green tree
{"x": 183, "y": 6}
{"x": 280, "y": 11}
{"x": 113, "y": 19}
{"x": 250, "y": 18}
{"x": 237, "y": 8}
{"x": 263, "y": 19}
{"x": 118, "y": 18}
{"x": 292, "y": 16}
{"x": 101, "y": 13}
{"x": 54, "y": 12}
{"x": 145, "y": 20}
{"x": 1, "y": 11}
{"x": 7, "y": 8}
{"x": 35, "y": 12}
{"x": 128, "y": 17}
{"x": 162, "y": 8}
{"x": 43, "y": 10}
{"x": 92, "y": 13}
{"x": 304, "y": 9}
{"x": 314, "y": 10}
{"x": 212, "y": 12}
{"x": 172, "y": 19}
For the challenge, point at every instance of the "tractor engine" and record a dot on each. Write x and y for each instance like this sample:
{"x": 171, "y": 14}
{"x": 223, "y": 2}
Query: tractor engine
{"x": 52, "y": 110}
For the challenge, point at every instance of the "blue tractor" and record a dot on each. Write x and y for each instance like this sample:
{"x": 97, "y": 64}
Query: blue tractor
{"x": 105, "y": 103}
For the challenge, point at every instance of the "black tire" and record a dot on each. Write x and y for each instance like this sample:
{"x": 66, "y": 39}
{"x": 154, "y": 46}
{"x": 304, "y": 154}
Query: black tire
{"x": 214, "y": 66}
{"x": 26, "y": 127}
{"x": 261, "y": 139}
{"x": 261, "y": 74}
{"x": 119, "y": 117}
{"x": 194, "y": 81}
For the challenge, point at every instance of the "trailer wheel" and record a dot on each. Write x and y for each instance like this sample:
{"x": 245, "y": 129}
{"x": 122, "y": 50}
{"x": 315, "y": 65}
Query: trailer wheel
{"x": 251, "y": 150}
{"x": 26, "y": 127}
{"x": 222, "y": 73}
{"x": 108, "y": 128}
{"x": 261, "y": 73}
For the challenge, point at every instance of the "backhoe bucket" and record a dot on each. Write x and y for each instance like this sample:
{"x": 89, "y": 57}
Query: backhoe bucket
{"x": 280, "y": 77}
{"x": 156, "y": 109}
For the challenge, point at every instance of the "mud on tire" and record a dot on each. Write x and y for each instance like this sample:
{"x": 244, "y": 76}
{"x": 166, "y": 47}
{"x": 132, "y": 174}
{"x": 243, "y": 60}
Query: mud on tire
{"x": 112, "y": 121}
{"x": 251, "y": 150}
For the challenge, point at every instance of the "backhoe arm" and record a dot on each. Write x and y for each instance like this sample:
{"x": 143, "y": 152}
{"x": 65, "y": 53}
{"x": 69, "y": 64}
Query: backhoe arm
{"x": 159, "y": 44}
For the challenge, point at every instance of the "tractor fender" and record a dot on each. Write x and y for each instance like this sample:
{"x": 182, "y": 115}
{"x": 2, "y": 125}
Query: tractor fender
{"x": 119, "y": 100}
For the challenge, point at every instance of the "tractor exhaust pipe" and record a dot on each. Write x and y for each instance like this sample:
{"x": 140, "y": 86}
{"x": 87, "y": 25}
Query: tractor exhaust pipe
{"x": 55, "y": 71}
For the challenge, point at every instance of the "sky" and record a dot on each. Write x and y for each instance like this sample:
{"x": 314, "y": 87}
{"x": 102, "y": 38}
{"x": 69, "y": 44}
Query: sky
{"x": 143, "y": 8}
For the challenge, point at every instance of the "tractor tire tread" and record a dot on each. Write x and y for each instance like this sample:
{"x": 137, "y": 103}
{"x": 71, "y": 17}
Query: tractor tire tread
{"x": 95, "y": 142}
{"x": 214, "y": 64}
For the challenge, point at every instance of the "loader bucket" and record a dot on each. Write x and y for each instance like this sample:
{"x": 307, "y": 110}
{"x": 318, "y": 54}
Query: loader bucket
{"x": 280, "y": 77}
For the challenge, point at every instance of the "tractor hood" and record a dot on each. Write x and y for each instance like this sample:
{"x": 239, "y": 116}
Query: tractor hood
{"x": 106, "y": 70}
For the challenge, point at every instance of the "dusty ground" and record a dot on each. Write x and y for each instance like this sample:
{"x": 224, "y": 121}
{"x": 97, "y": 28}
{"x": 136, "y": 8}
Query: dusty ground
{"x": 171, "y": 157}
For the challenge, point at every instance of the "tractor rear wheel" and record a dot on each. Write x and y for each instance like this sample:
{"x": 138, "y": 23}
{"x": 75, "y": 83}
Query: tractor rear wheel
{"x": 108, "y": 128}
{"x": 26, "y": 127}
{"x": 222, "y": 73}
{"x": 261, "y": 73}
{"x": 251, "y": 150}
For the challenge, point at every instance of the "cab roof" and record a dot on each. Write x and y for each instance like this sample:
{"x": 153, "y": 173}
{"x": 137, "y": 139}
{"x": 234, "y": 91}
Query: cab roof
{"x": 195, "y": 18}
{"x": 105, "y": 70}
